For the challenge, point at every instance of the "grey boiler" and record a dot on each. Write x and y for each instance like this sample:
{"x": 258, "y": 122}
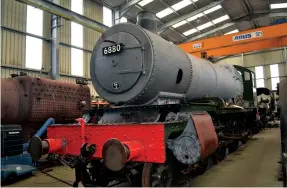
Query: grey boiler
{"x": 132, "y": 65}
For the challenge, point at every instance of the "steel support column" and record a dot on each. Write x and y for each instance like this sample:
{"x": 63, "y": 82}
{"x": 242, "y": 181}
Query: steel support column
{"x": 54, "y": 63}
{"x": 242, "y": 59}
{"x": 116, "y": 16}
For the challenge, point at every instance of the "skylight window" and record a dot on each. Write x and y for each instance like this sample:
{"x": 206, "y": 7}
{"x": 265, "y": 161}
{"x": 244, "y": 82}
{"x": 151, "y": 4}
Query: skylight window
{"x": 164, "y": 12}
{"x": 189, "y": 32}
{"x": 179, "y": 24}
{"x": 278, "y": 5}
{"x": 175, "y": 7}
{"x": 145, "y": 2}
{"x": 195, "y": 17}
{"x": 212, "y": 9}
{"x": 181, "y": 4}
{"x": 220, "y": 19}
{"x": 204, "y": 26}
{"x": 230, "y": 32}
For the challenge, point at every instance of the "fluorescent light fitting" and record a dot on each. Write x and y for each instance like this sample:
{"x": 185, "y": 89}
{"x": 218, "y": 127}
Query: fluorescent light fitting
{"x": 164, "y": 12}
{"x": 144, "y": 2}
{"x": 220, "y": 19}
{"x": 230, "y": 32}
{"x": 189, "y": 32}
{"x": 181, "y": 4}
{"x": 195, "y": 17}
{"x": 278, "y": 5}
{"x": 179, "y": 24}
{"x": 194, "y": 1}
{"x": 206, "y": 25}
{"x": 212, "y": 9}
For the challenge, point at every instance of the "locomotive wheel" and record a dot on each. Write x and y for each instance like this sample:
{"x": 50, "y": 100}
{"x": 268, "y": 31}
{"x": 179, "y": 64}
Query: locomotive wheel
{"x": 205, "y": 165}
{"x": 156, "y": 175}
{"x": 233, "y": 146}
{"x": 221, "y": 153}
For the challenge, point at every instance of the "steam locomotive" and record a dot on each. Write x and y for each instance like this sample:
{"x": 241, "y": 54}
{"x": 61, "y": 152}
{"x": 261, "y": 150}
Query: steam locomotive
{"x": 172, "y": 113}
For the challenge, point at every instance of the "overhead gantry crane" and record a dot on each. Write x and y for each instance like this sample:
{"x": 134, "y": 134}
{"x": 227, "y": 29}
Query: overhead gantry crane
{"x": 246, "y": 41}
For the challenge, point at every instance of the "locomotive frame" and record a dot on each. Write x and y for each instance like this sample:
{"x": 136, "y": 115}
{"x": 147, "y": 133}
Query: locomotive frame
{"x": 140, "y": 137}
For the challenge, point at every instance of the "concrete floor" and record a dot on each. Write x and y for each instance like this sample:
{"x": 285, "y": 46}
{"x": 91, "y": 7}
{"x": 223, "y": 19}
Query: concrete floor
{"x": 253, "y": 164}
{"x": 40, "y": 179}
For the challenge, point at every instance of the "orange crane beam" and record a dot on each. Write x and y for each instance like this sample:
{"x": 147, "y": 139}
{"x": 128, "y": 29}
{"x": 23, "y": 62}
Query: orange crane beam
{"x": 241, "y": 42}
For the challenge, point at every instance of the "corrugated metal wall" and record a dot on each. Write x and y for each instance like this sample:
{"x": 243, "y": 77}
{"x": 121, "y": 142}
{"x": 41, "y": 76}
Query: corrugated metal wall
{"x": 265, "y": 59}
{"x": 13, "y": 16}
{"x": 12, "y": 42}
{"x": 232, "y": 60}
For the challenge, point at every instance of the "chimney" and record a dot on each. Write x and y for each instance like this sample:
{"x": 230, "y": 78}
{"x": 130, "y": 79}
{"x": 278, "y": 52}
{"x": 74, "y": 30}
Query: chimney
{"x": 147, "y": 20}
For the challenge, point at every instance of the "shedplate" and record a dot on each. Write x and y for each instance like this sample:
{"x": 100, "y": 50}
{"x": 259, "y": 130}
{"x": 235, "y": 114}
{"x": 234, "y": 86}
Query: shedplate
{"x": 119, "y": 72}
{"x": 150, "y": 135}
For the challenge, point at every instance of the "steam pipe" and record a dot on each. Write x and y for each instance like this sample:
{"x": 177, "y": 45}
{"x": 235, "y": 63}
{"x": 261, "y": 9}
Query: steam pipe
{"x": 40, "y": 132}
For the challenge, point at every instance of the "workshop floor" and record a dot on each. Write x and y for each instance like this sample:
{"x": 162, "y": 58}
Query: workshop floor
{"x": 253, "y": 164}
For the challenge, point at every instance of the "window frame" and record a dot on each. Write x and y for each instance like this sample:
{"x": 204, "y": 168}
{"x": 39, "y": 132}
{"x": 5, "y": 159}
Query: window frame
{"x": 274, "y": 76}
{"x": 77, "y": 39}
{"x": 107, "y": 21}
{"x": 259, "y": 79}
{"x": 34, "y": 45}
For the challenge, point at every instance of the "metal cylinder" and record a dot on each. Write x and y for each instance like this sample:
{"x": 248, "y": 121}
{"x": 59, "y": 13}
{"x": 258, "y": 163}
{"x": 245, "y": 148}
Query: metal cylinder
{"x": 37, "y": 147}
{"x": 147, "y": 20}
{"x": 115, "y": 154}
{"x": 135, "y": 149}
{"x": 29, "y": 99}
{"x": 140, "y": 70}
{"x": 147, "y": 65}
{"x": 12, "y": 103}
{"x": 213, "y": 80}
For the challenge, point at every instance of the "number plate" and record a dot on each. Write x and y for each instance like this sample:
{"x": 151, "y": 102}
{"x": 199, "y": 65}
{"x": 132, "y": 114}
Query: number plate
{"x": 112, "y": 49}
